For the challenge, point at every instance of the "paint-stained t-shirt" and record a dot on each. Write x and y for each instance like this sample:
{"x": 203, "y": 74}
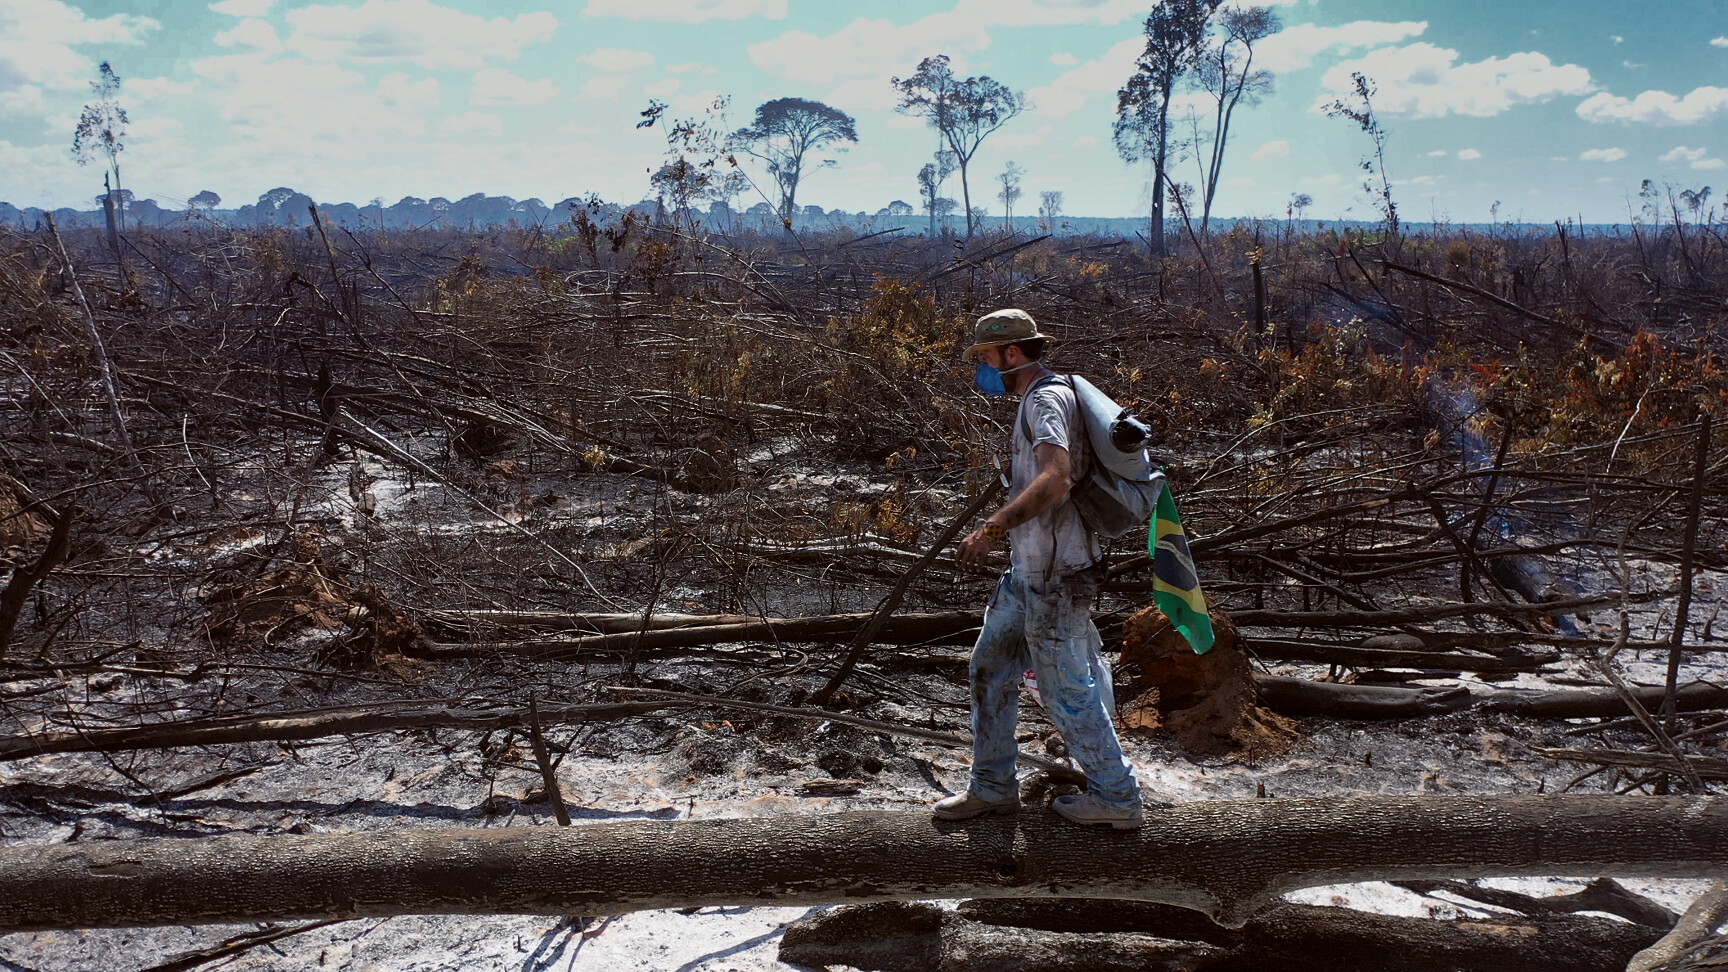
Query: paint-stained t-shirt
{"x": 1056, "y": 542}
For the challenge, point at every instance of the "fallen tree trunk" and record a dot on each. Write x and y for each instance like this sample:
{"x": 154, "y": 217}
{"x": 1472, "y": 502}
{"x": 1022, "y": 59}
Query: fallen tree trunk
{"x": 307, "y": 724}
{"x": 1432, "y": 612}
{"x": 1602, "y": 703}
{"x": 1054, "y": 934}
{"x": 1305, "y": 697}
{"x": 1706, "y": 767}
{"x": 1229, "y": 859}
{"x": 1285, "y": 649}
{"x": 1301, "y": 697}
{"x": 608, "y": 623}
{"x": 1696, "y": 926}
{"x": 905, "y": 629}
{"x": 627, "y": 632}
{"x": 1320, "y": 939}
{"x": 924, "y": 937}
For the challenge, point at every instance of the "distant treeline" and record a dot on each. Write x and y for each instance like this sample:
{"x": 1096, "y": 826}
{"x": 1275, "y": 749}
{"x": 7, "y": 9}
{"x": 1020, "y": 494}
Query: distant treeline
{"x": 284, "y": 207}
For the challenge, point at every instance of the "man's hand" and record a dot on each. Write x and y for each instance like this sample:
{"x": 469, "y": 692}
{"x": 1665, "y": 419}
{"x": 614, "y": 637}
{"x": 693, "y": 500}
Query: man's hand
{"x": 974, "y": 550}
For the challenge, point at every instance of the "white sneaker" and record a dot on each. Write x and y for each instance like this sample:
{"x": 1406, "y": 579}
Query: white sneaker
{"x": 1084, "y": 808}
{"x": 966, "y": 805}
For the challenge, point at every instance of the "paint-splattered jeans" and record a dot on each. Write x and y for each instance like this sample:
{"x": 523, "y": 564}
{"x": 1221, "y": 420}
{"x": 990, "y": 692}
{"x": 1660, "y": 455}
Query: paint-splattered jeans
{"x": 1053, "y": 634}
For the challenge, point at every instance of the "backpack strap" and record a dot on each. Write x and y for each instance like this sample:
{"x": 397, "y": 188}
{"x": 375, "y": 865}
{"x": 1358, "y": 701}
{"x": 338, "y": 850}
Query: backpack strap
{"x": 1079, "y": 451}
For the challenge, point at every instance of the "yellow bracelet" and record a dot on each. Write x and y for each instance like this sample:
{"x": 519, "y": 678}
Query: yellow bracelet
{"x": 993, "y": 531}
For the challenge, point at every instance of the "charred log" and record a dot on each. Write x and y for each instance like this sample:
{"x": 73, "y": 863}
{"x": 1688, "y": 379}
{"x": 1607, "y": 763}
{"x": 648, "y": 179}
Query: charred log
{"x": 1228, "y": 859}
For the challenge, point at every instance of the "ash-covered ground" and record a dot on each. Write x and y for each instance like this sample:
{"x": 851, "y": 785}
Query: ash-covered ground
{"x": 678, "y": 764}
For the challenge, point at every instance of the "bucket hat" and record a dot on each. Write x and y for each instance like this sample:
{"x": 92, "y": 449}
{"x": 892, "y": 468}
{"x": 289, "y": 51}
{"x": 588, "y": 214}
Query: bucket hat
{"x": 1004, "y": 327}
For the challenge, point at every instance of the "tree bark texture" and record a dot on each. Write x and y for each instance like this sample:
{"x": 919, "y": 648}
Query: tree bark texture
{"x": 1228, "y": 859}
{"x": 308, "y": 724}
{"x": 1321, "y": 939}
{"x": 1695, "y": 926}
{"x": 1051, "y": 935}
{"x": 922, "y": 937}
{"x": 1305, "y": 697}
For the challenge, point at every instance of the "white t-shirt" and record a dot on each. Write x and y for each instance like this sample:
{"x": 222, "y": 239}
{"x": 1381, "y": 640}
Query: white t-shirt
{"x": 1056, "y": 542}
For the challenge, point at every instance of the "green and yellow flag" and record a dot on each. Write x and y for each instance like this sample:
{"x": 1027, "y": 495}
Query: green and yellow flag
{"x": 1175, "y": 585}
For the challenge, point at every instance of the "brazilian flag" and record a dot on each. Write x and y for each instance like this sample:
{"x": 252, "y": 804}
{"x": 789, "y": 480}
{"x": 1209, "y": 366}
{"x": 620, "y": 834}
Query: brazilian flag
{"x": 1175, "y": 586}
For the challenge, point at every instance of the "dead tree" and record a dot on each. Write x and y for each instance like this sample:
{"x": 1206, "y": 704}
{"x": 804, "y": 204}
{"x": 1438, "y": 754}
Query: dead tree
{"x": 1228, "y": 859}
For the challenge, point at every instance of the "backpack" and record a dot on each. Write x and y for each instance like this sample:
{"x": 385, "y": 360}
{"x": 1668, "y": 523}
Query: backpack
{"x": 1118, "y": 489}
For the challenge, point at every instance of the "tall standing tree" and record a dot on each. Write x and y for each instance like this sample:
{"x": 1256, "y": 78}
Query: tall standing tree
{"x": 1010, "y": 179}
{"x": 1226, "y": 72}
{"x": 965, "y": 111}
{"x": 1175, "y": 31}
{"x": 784, "y": 134}
{"x": 101, "y": 134}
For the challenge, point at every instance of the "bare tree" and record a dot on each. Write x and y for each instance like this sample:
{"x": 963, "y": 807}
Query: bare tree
{"x": 1226, "y": 72}
{"x": 930, "y": 179}
{"x": 101, "y": 134}
{"x": 1361, "y": 111}
{"x": 1049, "y": 208}
{"x": 785, "y": 131}
{"x": 1174, "y": 32}
{"x": 964, "y": 111}
{"x": 699, "y": 161}
{"x": 1010, "y": 179}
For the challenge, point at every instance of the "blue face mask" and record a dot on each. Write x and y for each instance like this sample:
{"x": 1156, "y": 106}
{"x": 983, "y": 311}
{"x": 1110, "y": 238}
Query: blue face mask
{"x": 989, "y": 380}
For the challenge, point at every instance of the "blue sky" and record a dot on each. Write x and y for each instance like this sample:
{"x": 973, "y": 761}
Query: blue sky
{"x": 1552, "y": 109}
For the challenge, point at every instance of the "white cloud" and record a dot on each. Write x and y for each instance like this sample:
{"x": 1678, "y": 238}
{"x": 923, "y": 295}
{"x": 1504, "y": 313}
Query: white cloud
{"x": 417, "y": 31}
{"x": 693, "y": 67}
{"x": 1278, "y": 148}
{"x": 1695, "y": 158}
{"x": 1719, "y": 42}
{"x": 150, "y": 89}
{"x": 1051, "y": 13}
{"x": 1657, "y": 107}
{"x": 1010, "y": 139}
{"x": 1424, "y": 81}
{"x": 1294, "y": 48}
{"x": 251, "y": 34}
{"x": 663, "y": 88}
{"x": 1070, "y": 91}
{"x": 604, "y": 87}
{"x": 1469, "y": 154}
{"x": 496, "y": 86}
{"x": 686, "y": 11}
{"x": 1681, "y": 153}
{"x": 36, "y": 41}
{"x": 1602, "y": 155}
{"x": 1437, "y": 153}
{"x": 292, "y": 106}
{"x": 868, "y": 48}
{"x": 473, "y": 123}
{"x": 399, "y": 91}
{"x": 1616, "y": 38}
{"x": 611, "y": 60}
{"x": 1063, "y": 59}
{"x": 243, "y": 8}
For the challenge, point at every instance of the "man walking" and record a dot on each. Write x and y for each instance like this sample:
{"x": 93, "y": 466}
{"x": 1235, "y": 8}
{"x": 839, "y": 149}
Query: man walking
{"x": 1040, "y": 615}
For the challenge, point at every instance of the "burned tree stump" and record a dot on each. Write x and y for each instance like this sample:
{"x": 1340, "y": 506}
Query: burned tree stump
{"x": 1209, "y": 702}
